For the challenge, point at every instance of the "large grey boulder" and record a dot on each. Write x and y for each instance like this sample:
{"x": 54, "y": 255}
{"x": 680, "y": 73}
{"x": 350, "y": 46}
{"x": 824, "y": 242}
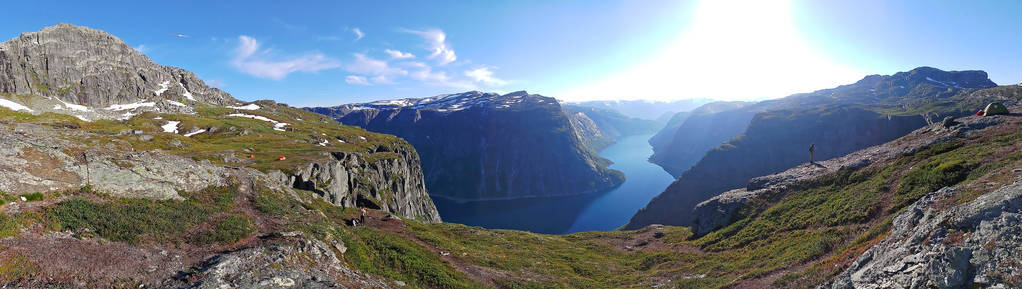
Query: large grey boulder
{"x": 976, "y": 244}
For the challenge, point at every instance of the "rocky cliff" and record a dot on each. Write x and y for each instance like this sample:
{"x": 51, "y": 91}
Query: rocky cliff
{"x": 841, "y": 120}
{"x": 679, "y": 147}
{"x": 477, "y": 146}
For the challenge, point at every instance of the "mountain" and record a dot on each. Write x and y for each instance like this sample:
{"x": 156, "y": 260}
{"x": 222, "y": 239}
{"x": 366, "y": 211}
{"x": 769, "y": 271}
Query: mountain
{"x": 838, "y": 121}
{"x": 644, "y": 109}
{"x": 607, "y": 125}
{"x": 479, "y": 146}
{"x": 678, "y": 147}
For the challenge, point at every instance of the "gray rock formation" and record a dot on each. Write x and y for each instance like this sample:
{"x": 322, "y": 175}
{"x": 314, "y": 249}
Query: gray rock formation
{"x": 294, "y": 262}
{"x": 92, "y": 74}
{"x": 393, "y": 185}
{"x": 40, "y": 159}
{"x": 973, "y": 245}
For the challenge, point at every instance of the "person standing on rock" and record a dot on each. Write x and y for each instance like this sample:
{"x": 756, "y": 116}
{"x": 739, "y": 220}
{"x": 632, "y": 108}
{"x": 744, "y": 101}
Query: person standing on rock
{"x": 812, "y": 149}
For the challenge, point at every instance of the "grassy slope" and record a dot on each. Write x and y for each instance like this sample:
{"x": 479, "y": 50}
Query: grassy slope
{"x": 816, "y": 230}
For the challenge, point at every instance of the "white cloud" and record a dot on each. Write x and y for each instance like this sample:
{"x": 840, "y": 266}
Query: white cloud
{"x": 249, "y": 61}
{"x": 216, "y": 82}
{"x": 141, "y": 48}
{"x": 730, "y": 50}
{"x": 397, "y": 54}
{"x": 426, "y": 75}
{"x": 358, "y": 33}
{"x": 356, "y": 80}
{"x": 441, "y": 51}
{"x": 484, "y": 75}
{"x": 363, "y": 64}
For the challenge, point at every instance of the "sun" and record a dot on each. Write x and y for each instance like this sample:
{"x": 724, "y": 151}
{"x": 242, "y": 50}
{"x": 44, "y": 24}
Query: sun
{"x": 730, "y": 50}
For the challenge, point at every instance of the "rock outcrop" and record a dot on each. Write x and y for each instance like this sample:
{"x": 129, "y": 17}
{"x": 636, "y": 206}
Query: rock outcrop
{"x": 394, "y": 185}
{"x": 478, "y": 146}
{"x": 972, "y": 245}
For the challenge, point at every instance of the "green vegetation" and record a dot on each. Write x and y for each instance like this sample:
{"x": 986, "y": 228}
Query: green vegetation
{"x": 228, "y": 230}
{"x": 33, "y": 196}
{"x": 15, "y": 266}
{"x": 137, "y": 220}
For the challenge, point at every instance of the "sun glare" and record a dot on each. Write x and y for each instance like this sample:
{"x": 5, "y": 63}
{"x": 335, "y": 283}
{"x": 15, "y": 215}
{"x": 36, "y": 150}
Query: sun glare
{"x": 731, "y": 50}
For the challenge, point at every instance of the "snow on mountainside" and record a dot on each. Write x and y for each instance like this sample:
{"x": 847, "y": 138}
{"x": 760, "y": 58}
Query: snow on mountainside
{"x": 449, "y": 102}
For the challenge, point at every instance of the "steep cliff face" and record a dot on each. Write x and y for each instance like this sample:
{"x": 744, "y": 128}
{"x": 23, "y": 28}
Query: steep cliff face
{"x": 161, "y": 144}
{"x": 477, "y": 146}
{"x": 871, "y": 111}
{"x": 590, "y": 133}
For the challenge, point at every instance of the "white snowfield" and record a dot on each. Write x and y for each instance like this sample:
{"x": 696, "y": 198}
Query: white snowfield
{"x": 187, "y": 94}
{"x": 447, "y": 102}
{"x": 171, "y": 126}
{"x": 119, "y": 107}
{"x": 13, "y": 105}
{"x": 195, "y": 132}
{"x": 279, "y": 126}
{"x": 73, "y": 106}
{"x": 175, "y": 103}
{"x": 250, "y": 106}
{"x": 163, "y": 87}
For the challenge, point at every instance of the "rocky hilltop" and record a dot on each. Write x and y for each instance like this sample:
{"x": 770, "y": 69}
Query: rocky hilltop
{"x": 838, "y": 121}
{"x": 478, "y": 146}
{"x": 91, "y": 74}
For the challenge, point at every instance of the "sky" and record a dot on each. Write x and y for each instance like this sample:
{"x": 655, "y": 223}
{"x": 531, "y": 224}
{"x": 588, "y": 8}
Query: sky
{"x": 321, "y": 53}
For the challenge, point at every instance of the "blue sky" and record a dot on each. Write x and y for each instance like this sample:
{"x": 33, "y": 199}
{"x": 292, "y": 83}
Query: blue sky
{"x": 334, "y": 52}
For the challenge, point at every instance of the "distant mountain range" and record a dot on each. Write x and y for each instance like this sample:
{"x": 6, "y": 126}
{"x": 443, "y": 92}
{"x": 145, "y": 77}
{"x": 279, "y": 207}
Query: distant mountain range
{"x": 645, "y": 109}
{"x": 480, "y": 146}
{"x": 720, "y": 146}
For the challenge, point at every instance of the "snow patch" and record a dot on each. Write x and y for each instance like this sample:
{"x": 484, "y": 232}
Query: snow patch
{"x": 362, "y": 137}
{"x": 163, "y": 87}
{"x": 175, "y": 103}
{"x": 279, "y": 126}
{"x": 126, "y": 116}
{"x": 195, "y": 132}
{"x": 13, "y": 105}
{"x": 250, "y": 106}
{"x": 171, "y": 126}
{"x": 73, "y": 106}
{"x": 119, "y": 107}
{"x": 187, "y": 94}
{"x": 323, "y": 143}
{"x": 82, "y": 118}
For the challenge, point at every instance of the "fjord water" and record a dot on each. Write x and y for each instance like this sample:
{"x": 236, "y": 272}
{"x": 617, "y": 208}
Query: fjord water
{"x": 560, "y": 215}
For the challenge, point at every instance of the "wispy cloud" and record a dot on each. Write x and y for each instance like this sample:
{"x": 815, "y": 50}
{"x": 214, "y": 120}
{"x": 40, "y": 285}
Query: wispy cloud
{"x": 484, "y": 75}
{"x": 425, "y": 74}
{"x": 397, "y": 54}
{"x": 441, "y": 51}
{"x": 356, "y": 80}
{"x": 248, "y": 59}
{"x": 358, "y": 33}
{"x": 141, "y": 48}
{"x": 380, "y": 70}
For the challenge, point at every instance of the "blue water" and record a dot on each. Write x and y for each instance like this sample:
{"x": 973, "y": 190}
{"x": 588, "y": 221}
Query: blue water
{"x": 562, "y": 215}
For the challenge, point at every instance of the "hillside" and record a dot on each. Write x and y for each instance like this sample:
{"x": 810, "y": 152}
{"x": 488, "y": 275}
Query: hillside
{"x": 838, "y": 121}
{"x": 478, "y": 146}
